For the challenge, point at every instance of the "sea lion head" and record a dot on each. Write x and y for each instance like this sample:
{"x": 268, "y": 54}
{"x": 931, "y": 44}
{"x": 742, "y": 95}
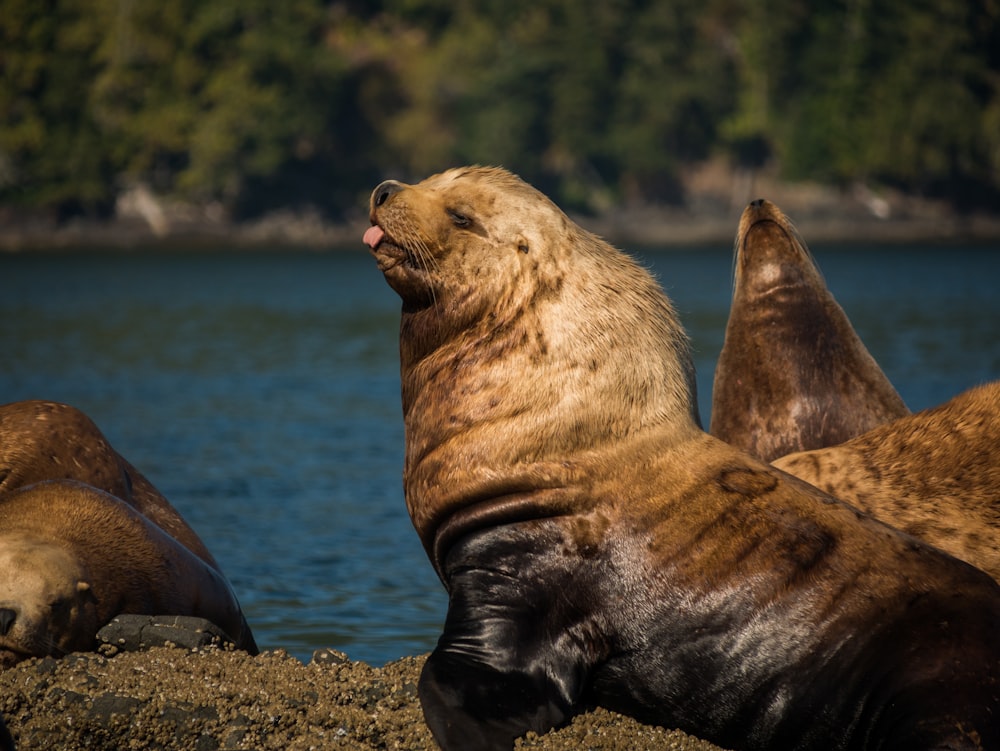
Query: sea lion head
{"x": 461, "y": 240}
{"x": 792, "y": 374}
{"x": 525, "y": 341}
{"x": 768, "y": 243}
{"x": 46, "y": 606}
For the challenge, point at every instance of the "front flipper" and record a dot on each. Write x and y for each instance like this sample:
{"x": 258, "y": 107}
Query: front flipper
{"x": 517, "y": 646}
{"x": 476, "y": 707}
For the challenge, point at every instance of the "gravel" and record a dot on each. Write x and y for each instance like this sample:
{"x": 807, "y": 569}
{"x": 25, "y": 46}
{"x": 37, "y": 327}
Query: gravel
{"x": 220, "y": 699}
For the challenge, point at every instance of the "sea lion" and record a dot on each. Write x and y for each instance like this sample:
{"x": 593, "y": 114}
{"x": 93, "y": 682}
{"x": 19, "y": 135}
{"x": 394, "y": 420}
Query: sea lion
{"x": 793, "y": 375}
{"x": 72, "y": 557}
{"x": 934, "y": 474}
{"x": 599, "y": 548}
{"x": 43, "y": 440}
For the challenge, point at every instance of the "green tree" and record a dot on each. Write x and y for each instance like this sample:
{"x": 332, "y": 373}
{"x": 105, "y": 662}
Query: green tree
{"x": 675, "y": 88}
{"x": 926, "y": 127}
{"x": 874, "y": 90}
{"x": 258, "y": 105}
{"x": 206, "y": 98}
{"x": 51, "y": 149}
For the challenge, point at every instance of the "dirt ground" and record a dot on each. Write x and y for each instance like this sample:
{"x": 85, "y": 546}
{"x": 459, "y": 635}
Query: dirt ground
{"x": 214, "y": 699}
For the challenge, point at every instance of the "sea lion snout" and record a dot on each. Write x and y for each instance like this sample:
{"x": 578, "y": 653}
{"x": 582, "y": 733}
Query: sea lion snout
{"x": 7, "y": 618}
{"x": 761, "y": 208}
{"x": 384, "y": 190}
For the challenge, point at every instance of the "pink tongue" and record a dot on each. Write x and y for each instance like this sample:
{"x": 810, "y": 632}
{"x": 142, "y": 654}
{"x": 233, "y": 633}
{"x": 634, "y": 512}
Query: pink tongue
{"x": 373, "y": 236}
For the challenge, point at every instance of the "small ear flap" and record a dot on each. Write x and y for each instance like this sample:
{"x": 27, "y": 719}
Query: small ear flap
{"x": 522, "y": 244}
{"x": 82, "y": 586}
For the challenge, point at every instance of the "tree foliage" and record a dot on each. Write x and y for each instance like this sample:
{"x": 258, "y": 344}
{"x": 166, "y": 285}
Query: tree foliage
{"x": 257, "y": 105}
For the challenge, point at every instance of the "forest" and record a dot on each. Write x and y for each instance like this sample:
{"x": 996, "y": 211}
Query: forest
{"x": 254, "y": 105}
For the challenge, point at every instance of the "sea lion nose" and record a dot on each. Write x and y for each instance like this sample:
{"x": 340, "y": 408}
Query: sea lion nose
{"x": 381, "y": 194}
{"x": 757, "y": 203}
{"x": 7, "y": 618}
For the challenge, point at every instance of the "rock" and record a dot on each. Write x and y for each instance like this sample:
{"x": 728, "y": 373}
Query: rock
{"x": 134, "y": 632}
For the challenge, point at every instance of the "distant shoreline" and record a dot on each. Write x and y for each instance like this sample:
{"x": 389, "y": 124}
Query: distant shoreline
{"x": 646, "y": 228}
{"x": 714, "y": 199}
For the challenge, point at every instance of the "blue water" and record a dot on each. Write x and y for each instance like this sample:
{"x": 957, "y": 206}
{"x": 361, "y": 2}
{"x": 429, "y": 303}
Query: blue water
{"x": 260, "y": 392}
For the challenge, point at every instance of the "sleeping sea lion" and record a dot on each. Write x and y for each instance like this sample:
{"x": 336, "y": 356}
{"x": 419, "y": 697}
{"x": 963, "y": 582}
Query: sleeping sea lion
{"x": 43, "y": 440}
{"x": 72, "y": 557}
{"x": 599, "y": 548}
{"x": 793, "y": 374}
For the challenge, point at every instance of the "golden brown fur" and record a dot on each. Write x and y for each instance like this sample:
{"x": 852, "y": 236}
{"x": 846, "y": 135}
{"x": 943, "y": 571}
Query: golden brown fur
{"x": 73, "y": 557}
{"x": 42, "y": 440}
{"x": 488, "y": 322}
{"x": 793, "y": 375}
{"x": 935, "y": 475}
{"x": 598, "y": 547}
{"x": 45, "y": 599}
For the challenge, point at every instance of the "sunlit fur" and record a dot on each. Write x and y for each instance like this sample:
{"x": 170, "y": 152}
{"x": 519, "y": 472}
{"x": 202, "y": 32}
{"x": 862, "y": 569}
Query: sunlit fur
{"x": 554, "y": 340}
{"x": 934, "y": 474}
{"x": 44, "y": 440}
{"x": 65, "y": 542}
{"x": 598, "y": 547}
{"x": 47, "y": 590}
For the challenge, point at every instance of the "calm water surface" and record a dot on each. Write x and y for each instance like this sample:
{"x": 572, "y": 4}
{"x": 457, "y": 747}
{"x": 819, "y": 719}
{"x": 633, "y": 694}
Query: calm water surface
{"x": 260, "y": 392}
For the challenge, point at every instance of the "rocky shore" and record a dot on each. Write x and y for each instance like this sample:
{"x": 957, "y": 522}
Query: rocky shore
{"x": 217, "y": 699}
{"x": 715, "y": 195}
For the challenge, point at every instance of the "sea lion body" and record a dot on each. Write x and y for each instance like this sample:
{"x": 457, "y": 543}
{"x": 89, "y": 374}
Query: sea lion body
{"x": 72, "y": 557}
{"x": 42, "y": 440}
{"x": 792, "y": 375}
{"x": 599, "y": 548}
{"x": 934, "y": 474}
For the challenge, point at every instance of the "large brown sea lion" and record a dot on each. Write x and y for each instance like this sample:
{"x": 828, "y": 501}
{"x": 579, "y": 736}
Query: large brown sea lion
{"x": 42, "y": 440}
{"x": 599, "y": 548}
{"x": 793, "y": 374}
{"x": 72, "y": 557}
{"x": 934, "y": 474}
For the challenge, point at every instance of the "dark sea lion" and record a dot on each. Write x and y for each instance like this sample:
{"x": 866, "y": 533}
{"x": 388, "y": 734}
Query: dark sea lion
{"x": 934, "y": 474}
{"x": 793, "y": 374}
{"x": 42, "y": 440}
{"x": 599, "y": 548}
{"x": 72, "y": 557}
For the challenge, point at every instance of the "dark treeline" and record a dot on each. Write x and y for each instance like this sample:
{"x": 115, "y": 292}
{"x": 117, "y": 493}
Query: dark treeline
{"x": 254, "y": 105}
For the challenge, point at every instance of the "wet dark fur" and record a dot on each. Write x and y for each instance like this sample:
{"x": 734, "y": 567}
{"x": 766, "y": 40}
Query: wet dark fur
{"x": 599, "y": 548}
{"x": 793, "y": 374}
{"x": 935, "y": 475}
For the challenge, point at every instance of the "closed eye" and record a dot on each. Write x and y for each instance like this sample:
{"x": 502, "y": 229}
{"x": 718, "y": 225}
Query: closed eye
{"x": 459, "y": 219}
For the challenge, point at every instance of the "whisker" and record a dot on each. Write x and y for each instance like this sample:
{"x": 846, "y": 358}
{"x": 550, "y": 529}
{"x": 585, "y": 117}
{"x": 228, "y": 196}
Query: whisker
{"x": 418, "y": 246}
{"x": 46, "y": 645}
